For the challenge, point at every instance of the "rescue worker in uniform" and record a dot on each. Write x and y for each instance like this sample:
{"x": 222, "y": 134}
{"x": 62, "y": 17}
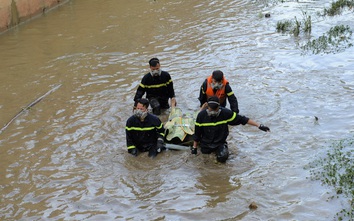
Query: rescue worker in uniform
{"x": 158, "y": 86}
{"x": 217, "y": 85}
{"x": 211, "y": 129}
{"x": 144, "y": 131}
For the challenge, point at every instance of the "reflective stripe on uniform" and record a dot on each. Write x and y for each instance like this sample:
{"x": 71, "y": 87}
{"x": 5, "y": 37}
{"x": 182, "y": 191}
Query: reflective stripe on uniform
{"x": 216, "y": 123}
{"x": 139, "y": 128}
{"x": 156, "y": 85}
{"x": 143, "y": 128}
{"x": 131, "y": 147}
{"x": 160, "y": 126}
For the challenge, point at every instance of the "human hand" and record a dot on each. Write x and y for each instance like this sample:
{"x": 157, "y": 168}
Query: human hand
{"x": 204, "y": 106}
{"x": 264, "y": 128}
{"x": 194, "y": 150}
{"x": 173, "y": 102}
{"x": 133, "y": 151}
{"x": 160, "y": 146}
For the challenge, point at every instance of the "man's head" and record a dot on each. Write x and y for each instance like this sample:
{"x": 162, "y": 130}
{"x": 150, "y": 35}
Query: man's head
{"x": 153, "y": 62}
{"x": 213, "y": 103}
{"x": 155, "y": 67}
{"x": 217, "y": 78}
{"x": 143, "y": 104}
{"x": 213, "y": 109}
{"x": 218, "y": 75}
{"x": 141, "y": 108}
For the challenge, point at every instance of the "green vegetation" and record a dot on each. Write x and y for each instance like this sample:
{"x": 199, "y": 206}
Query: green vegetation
{"x": 336, "y": 169}
{"x": 294, "y": 26}
{"x": 337, "y": 39}
{"x": 284, "y": 26}
{"x": 336, "y": 7}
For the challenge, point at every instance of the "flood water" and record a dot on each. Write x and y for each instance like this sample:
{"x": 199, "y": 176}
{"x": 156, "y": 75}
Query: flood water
{"x": 65, "y": 158}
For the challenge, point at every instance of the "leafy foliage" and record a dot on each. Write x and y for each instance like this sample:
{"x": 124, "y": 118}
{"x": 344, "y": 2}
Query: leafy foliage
{"x": 336, "y": 169}
{"x": 336, "y": 7}
{"x": 295, "y": 26}
{"x": 337, "y": 39}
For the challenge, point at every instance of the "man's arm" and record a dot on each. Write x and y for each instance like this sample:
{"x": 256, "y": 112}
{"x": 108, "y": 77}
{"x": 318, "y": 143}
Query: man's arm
{"x": 170, "y": 88}
{"x": 196, "y": 136}
{"x": 232, "y": 98}
{"x": 202, "y": 95}
{"x": 130, "y": 144}
{"x": 260, "y": 126}
{"x": 140, "y": 91}
{"x": 160, "y": 130}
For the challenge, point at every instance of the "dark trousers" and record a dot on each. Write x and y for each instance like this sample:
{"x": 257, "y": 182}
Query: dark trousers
{"x": 221, "y": 151}
{"x": 157, "y": 104}
{"x": 152, "y": 148}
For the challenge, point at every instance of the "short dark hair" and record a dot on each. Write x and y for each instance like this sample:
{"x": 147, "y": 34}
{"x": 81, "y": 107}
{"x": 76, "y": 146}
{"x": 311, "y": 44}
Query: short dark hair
{"x": 213, "y": 102}
{"x": 153, "y": 62}
{"x": 218, "y": 75}
{"x": 144, "y": 102}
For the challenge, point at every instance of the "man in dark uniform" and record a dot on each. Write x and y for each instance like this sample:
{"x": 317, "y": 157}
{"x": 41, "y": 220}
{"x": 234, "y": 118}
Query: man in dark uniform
{"x": 211, "y": 129}
{"x": 217, "y": 85}
{"x": 144, "y": 131}
{"x": 158, "y": 86}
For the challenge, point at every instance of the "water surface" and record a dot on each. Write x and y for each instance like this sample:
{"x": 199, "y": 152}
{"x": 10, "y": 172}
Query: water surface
{"x": 66, "y": 158}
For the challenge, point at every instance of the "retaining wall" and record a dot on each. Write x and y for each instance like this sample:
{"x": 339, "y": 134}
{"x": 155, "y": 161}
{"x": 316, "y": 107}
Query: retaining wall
{"x": 14, "y": 12}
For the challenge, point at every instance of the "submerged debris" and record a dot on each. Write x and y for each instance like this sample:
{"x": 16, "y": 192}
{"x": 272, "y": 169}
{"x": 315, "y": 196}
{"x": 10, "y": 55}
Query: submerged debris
{"x": 253, "y": 206}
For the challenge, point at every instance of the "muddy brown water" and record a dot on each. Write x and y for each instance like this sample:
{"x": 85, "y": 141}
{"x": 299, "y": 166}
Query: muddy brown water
{"x": 66, "y": 159}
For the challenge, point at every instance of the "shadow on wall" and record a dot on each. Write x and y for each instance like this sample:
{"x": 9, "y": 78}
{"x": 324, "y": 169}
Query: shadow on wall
{"x": 15, "y": 12}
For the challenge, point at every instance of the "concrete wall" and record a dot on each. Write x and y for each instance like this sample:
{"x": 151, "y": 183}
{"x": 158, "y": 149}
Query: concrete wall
{"x": 14, "y": 12}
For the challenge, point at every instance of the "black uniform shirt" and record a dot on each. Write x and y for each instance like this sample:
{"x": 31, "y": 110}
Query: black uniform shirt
{"x": 156, "y": 87}
{"x": 139, "y": 133}
{"x": 213, "y": 131}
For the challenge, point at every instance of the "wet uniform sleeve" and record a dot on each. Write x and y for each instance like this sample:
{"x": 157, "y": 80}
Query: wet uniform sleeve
{"x": 237, "y": 119}
{"x": 170, "y": 89}
{"x": 141, "y": 90}
{"x": 197, "y": 130}
{"x": 129, "y": 135}
{"x": 160, "y": 130}
{"x": 232, "y": 99}
{"x": 202, "y": 95}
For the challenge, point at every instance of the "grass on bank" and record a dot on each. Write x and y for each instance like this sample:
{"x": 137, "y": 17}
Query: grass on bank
{"x": 336, "y": 170}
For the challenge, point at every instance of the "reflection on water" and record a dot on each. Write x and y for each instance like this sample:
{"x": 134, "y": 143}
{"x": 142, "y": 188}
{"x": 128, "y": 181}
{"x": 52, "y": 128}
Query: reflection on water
{"x": 65, "y": 158}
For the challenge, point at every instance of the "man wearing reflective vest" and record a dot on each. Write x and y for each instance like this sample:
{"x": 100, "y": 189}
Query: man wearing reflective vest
{"x": 217, "y": 85}
{"x": 144, "y": 131}
{"x": 211, "y": 129}
{"x": 158, "y": 86}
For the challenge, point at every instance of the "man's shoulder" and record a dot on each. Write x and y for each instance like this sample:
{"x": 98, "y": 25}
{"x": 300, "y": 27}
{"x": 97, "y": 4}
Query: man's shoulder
{"x": 227, "y": 85}
{"x": 147, "y": 75}
{"x": 202, "y": 113}
{"x": 205, "y": 83}
{"x": 226, "y": 111}
{"x": 131, "y": 120}
{"x": 165, "y": 73}
{"x": 153, "y": 117}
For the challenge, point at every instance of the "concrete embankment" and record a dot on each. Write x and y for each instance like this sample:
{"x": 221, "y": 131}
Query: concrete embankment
{"x": 14, "y": 12}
